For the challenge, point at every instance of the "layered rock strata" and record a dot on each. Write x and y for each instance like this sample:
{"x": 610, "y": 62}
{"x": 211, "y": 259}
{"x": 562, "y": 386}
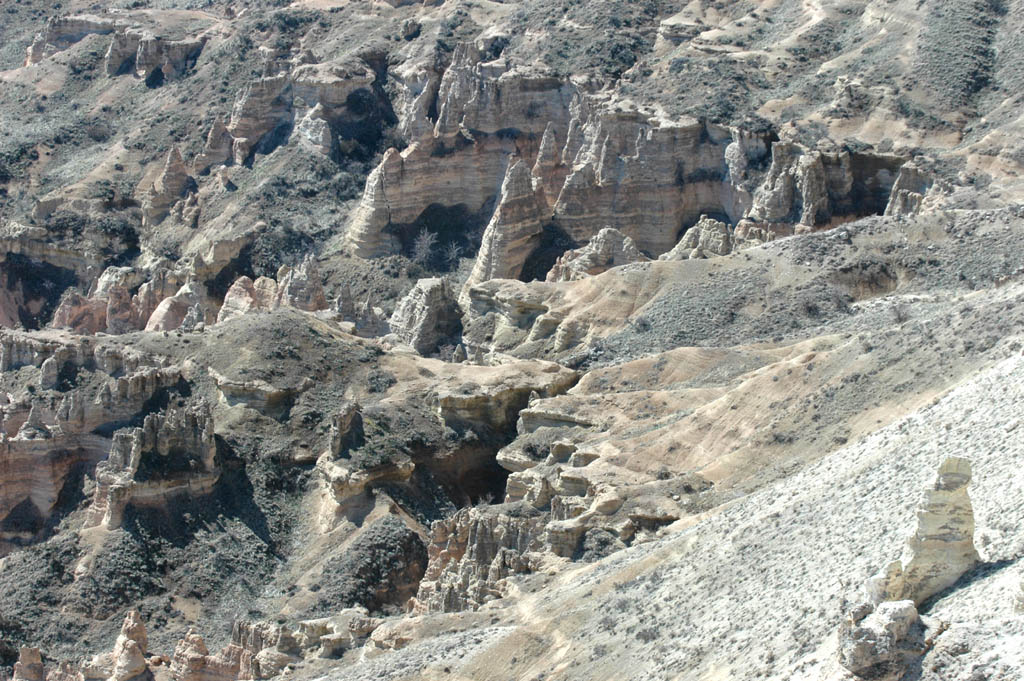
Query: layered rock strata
{"x": 427, "y": 316}
{"x": 513, "y": 231}
{"x": 299, "y": 287}
{"x": 941, "y": 549}
{"x": 609, "y": 248}
{"x": 171, "y": 454}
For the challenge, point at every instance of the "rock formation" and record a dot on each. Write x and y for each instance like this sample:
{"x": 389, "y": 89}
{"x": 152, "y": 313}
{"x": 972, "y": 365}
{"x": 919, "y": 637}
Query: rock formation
{"x": 297, "y": 287}
{"x": 513, "y": 231}
{"x": 63, "y": 31}
{"x": 300, "y": 286}
{"x": 609, "y": 248}
{"x": 170, "y": 187}
{"x": 427, "y": 316}
{"x": 708, "y": 237}
{"x": 909, "y": 190}
{"x": 128, "y": 658}
{"x": 472, "y": 553}
{"x": 942, "y": 547}
{"x": 29, "y": 666}
{"x": 172, "y": 311}
{"x": 171, "y": 454}
{"x": 879, "y": 641}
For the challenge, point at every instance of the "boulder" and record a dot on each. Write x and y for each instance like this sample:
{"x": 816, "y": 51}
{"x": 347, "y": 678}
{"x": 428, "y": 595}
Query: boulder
{"x": 878, "y": 641}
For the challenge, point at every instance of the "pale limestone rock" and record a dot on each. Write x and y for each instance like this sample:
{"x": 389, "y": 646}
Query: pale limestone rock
{"x": 314, "y": 131}
{"x": 328, "y": 85}
{"x": 192, "y": 661}
{"x": 171, "y": 185}
{"x": 609, "y": 248}
{"x": 62, "y": 32}
{"x": 216, "y": 150}
{"x": 459, "y": 354}
{"x": 427, "y": 316}
{"x": 171, "y": 312}
{"x": 177, "y": 432}
{"x": 329, "y": 637}
{"x": 749, "y": 233}
{"x": 942, "y": 547}
{"x": 171, "y": 57}
{"x": 877, "y": 640}
{"x": 709, "y": 237}
{"x": 127, "y": 660}
{"x": 134, "y": 628}
{"x": 48, "y": 374}
{"x": 29, "y": 666}
{"x": 300, "y": 287}
{"x": 513, "y": 231}
{"x": 65, "y": 671}
{"x": 477, "y": 104}
{"x": 471, "y": 553}
{"x": 246, "y": 294}
{"x": 370, "y": 321}
{"x": 34, "y": 428}
{"x": 367, "y": 233}
{"x": 239, "y": 299}
{"x": 121, "y": 52}
{"x": 346, "y": 430}
{"x": 259, "y": 109}
{"x": 344, "y": 304}
{"x": 909, "y": 190}
{"x": 1019, "y": 601}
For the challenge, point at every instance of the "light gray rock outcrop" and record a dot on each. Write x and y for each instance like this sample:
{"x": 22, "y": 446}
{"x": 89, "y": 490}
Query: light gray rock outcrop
{"x": 609, "y": 248}
{"x": 427, "y": 316}
{"x": 941, "y": 549}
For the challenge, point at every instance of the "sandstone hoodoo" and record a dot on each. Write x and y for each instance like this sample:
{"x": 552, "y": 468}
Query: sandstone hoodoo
{"x": 406, "y": 341}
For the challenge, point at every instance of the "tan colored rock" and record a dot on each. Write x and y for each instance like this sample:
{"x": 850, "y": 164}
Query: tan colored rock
{"x": 65, "y": 671}
{"x": 346, "y": 429}
{"x": 177, "y": 432}
{"x": 427, "y": 316}
{"x": 170, "y": 57}
{"x": 609, "y": 248}
{"x": 29, "y": 666}
{"x": 80, "y": 314}
{"x": 344, "y": 304}
{"x": 259, "y": 109}
{"x": 127, "y": 660}
{"x": 370, "y": 320}
{"x": 300, "y": 287}
{"x": 192, "y": 661}
{"x": 216, "y": 150}
{"x": 708, "y": 237}
{"x": 171, "y": 312}
{"x": 477, "y": 104}
{"x": 328, "y": 85}
{"x": 513, "y": 231}
{"x": 942, "y": 547}
{"x": 62, "y": 32}
{"x": 171, "y": 185}
{"x": 48, "y": 374}
{"x": 471, "y": 554}
{"x": 314, "y": 131}
{"x": 909, "y": 190}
